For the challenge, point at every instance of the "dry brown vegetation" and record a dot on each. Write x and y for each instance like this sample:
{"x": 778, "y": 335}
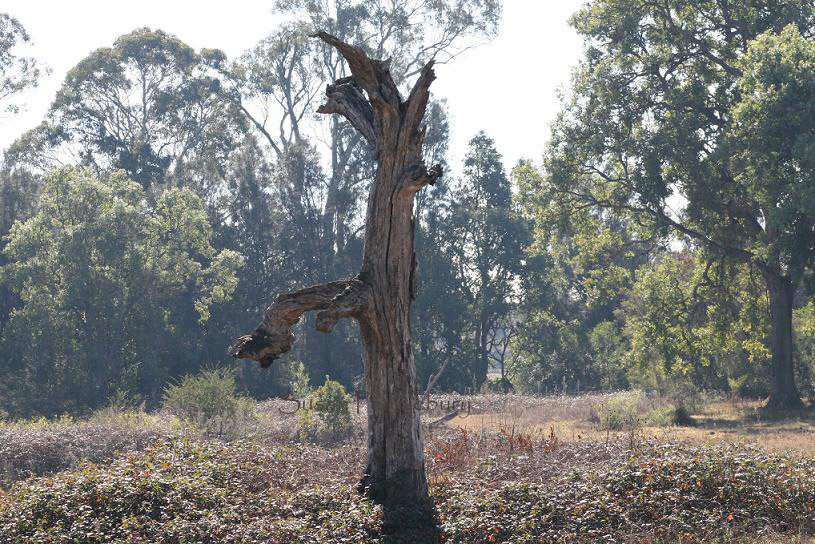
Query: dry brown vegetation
{"x": 515, "y": 469}
{"x": 716, "y": 421}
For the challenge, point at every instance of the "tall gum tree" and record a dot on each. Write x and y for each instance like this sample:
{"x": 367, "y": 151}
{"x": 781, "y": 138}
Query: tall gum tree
{"x": 486, "y": 246}
{"x": 17, "y": 72}
{"x": 147, "y": 105}
{"x": 691, "y": 103}
{"x": 381, "y": 295}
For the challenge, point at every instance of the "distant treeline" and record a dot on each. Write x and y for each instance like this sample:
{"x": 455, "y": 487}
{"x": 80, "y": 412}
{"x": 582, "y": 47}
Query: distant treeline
{"x": 169, "y": 194}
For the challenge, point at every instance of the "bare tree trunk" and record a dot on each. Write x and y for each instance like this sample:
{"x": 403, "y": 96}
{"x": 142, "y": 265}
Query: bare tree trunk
{"x": 783, "y": 391}
{"x": 483, "y": 369}
{"x": 381, "y": 296}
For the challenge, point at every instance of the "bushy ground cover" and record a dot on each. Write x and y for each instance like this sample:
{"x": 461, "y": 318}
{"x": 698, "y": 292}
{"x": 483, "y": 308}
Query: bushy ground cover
{"x": 40, "y": 447}
{"x": 503, "y": 484}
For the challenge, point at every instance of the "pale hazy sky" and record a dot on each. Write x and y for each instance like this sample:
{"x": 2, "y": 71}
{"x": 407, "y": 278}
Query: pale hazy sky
{"x": 506, "y": 88}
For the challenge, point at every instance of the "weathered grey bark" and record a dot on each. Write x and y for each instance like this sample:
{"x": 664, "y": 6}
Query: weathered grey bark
{"x": 783, "y": 391}
{"x": 381, "y": 296}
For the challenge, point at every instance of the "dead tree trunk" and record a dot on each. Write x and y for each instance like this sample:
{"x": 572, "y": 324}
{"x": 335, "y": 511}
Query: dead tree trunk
{"x": 381, "y": 295}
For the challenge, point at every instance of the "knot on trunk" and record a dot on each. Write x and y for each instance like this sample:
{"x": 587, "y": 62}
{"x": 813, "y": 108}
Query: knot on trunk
{"x": 419, "y": 176}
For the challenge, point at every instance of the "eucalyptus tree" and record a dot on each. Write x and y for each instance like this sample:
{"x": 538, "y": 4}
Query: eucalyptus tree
{"x": 146, "y": 105}
{"x": 703, "y": 107}
{"x": 442, "y": 310}
{"x": 17, "y": 72}
{"x": 114, "y": 294}
{"x": 18, "y": 186}
{"x": 251, "y": 223}
{"x": 441, "y": 321}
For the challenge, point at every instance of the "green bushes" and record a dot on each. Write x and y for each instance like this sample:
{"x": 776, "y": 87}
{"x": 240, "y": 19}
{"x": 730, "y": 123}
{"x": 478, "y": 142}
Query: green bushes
{"x": 295, "y": 377}
{"x": 328, "y": 409}
{"x": 499, "y": 385}
{"x": 628, "y": 411}
{"x": 620, "y": 413}
{"x": 681, "y": 417}
{"x": 669, "y": 415}
{"x": 210, "y": 403}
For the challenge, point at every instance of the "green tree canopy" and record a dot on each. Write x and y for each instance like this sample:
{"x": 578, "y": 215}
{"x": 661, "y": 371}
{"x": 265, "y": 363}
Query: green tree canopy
{"x": 699, "y": 321}
{"x": 145, "y": 105}
{"x": 662, "y": 126}
{"x": 114, "y": 293}
{"x": 580, "y": 262}
{"x": 485, "y": 241}
{"x": 17, "y": 72}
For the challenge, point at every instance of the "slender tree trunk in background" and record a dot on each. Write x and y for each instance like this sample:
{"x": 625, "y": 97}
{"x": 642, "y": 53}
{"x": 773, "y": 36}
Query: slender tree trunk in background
{"x": 484, "y": 355}
{"x": 783, "y": 391}
{"x": 381, "y": 295}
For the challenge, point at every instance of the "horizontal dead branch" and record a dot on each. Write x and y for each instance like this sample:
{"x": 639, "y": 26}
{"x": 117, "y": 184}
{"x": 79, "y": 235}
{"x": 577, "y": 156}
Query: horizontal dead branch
{"x": 274, "y": 335}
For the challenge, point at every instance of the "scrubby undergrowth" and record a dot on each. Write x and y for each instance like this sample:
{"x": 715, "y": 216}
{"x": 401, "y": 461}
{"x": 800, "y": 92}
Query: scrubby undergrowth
{"x": 182, "y": 490}
{"x": 43, "y": 448}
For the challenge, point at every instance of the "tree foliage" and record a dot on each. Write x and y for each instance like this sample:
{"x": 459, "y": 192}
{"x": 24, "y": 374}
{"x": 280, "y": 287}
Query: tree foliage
{"x": 17, "y": 72}
{"x": 668, "y": 109}
{"x": 145, "y": 105}
{"x": 666, "y": 240}
{"x": 114, "y": 293}
{"x": 699, "y": 321}
{"x": 485, "y": 241}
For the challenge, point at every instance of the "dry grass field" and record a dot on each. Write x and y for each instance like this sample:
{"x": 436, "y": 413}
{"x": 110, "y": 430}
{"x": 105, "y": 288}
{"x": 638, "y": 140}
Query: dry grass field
{"x": 736, "y": 421}
{"x": 507, "y": 468}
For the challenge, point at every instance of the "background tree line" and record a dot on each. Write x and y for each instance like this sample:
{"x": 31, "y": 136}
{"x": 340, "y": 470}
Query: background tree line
{"x": 664, "y": 243}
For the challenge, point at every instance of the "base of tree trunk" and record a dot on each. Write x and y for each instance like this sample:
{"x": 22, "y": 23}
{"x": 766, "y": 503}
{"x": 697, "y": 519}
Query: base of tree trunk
{"x": 406, "y": 523}
{"x": 784, "y": 403}
{"x": 397, "y": 491}
{"x": 784, "y": 393}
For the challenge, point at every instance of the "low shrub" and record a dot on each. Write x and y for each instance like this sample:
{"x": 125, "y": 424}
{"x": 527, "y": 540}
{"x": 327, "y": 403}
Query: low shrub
{"x": 620, "y": 412}
{"x": 209, "y": 402}
{"x": 296, "y": 379}
{"x": 500, "y": 385}
{"x": 329, "y": 405}
{"x": 670, "y": 415}
{"x": 682, "y": 418}
{"x": 661, "y": 416}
